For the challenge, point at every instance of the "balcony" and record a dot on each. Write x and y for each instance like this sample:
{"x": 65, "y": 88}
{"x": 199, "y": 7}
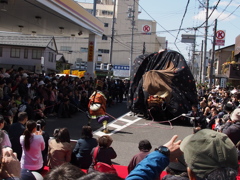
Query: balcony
{"x": 231, "y": 71}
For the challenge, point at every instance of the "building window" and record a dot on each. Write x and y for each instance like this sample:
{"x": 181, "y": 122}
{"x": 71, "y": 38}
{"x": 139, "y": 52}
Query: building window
{"x": 105, "y": 24}
{"x": 105, "y": 51}
{"x": 1, "y": 51}
{"x": 83, "y": 49}
{"x": 107, "y": 13}
{"x": 15, "y": 53}
{"x": 36, "y": 54}
{"x": 50, "y": 57}
{"x": 65, "y": 48}
{"x": 25, "y": 53}
{"x": 104, "y": 37}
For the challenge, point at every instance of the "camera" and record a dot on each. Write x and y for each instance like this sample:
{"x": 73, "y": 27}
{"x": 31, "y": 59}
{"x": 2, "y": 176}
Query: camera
{"x": 38, "y": 127}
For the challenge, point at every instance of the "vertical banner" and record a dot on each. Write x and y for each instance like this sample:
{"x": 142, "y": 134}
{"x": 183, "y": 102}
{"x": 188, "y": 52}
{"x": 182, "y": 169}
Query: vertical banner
{"x": 90, "y": 51}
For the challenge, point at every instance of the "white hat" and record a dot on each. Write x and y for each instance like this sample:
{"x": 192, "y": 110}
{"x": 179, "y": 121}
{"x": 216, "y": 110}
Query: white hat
{"x": 235, "y": 116}
{"x": 24, "y": 75}
{"x": 41, "y": 83}
{"x": 6, "y": 75}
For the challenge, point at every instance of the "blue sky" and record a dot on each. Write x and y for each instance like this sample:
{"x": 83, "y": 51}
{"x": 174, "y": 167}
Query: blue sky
{"x": 169, "y": 14}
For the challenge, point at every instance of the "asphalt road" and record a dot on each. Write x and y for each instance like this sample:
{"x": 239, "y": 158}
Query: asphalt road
{"x": 126, "y": 130}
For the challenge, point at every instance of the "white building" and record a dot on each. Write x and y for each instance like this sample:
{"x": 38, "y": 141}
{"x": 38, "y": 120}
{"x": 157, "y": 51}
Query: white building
{"x": 75, "y": 48}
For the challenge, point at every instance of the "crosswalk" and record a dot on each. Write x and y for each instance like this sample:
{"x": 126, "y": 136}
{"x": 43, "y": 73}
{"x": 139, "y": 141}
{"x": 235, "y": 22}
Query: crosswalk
{"x": 118, "y": 124}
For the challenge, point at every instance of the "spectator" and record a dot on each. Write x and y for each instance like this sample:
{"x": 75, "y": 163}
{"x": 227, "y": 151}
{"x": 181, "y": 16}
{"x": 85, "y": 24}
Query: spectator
{"x": 10, "y": 165}
{"x": 212, "y": 118}
{"x": 15, "y": 131}
{"x": 105, "y": 153}
{"x": 232, "y": 127}
{"x": 177, "y": 170}
{"x": 63, "y": 172}
{"x": 60, "y": 149}
{"x": 156, "y": 161}
{"x": 144, "y": 147}
{"x": 23, "y": 88}
{"x": 4, "y": 135}
{"x": 39, "y": 114}
{"x": 30, "y": 175}
{"x": 210, "y": 154}
{"x": 203, "y": 155}
{"x": 100, "y": 176}
{"x": 64, "y": 109}
{"x": 46, "y": 138}
{"x": 83, "y": 148}
{"x": 2, "y": 84}
{"x": 32, "y": 145}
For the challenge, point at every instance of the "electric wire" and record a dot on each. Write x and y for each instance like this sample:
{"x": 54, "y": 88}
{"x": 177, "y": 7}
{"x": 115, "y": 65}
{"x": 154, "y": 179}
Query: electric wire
{"x": 231, "y": 13}
{"x": 215, "y": 7}
{"x": 182, "y": 20}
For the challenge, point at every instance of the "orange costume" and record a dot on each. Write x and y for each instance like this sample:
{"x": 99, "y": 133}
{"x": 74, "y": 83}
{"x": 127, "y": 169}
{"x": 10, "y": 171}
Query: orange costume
{"x": 99, "y": 99}
{"x": 97, "y": 106}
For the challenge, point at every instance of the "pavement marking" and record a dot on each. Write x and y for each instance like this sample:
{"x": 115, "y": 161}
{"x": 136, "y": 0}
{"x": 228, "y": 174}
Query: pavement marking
{"x": 116, "y": 126}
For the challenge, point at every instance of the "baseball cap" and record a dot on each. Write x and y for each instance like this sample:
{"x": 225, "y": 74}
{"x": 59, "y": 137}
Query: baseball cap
{"x": 235, "y": 116}
{"x": 30, "y": 175}
{"x": 208, "y": 150}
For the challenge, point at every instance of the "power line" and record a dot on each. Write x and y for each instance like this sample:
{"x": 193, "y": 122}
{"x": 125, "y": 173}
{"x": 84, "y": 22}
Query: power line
{"x": 155, "y": 20}
{"x": 210, "y": 14}
{"x": 231, "y": 13}
{"x": 224, "y": 9}
{"x": 182, "y": 20}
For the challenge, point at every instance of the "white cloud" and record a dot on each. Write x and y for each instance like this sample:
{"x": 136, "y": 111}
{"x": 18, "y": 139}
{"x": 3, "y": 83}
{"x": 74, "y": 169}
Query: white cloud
{"x": 201, "y": 16}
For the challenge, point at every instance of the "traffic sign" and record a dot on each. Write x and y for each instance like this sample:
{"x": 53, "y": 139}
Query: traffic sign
{"x": 220, "y": 38}
{"x": 146, "y": 29}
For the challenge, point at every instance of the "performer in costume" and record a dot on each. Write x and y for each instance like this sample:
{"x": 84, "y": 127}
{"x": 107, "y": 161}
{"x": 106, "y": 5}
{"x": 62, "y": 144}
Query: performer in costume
{"x": 97, "y": 106}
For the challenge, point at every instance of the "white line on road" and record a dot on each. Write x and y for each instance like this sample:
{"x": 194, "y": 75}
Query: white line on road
{"x": 117, "y": 127}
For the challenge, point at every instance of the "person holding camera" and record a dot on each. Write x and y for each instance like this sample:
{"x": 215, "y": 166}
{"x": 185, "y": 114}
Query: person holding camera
{"x": 32, "y": 145}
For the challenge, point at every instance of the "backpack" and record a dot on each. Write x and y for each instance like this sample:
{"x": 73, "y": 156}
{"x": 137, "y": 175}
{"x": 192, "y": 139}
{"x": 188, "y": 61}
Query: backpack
{"x": 100, "y": 166}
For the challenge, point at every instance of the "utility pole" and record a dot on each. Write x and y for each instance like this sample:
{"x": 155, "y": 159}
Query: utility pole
{"x": 213, "y": 53}
{"x": 193, "y": 53}
{"x": 94, "y": 7}
{"x": 133, "y": 25}
{"x": 144, "y": 48}
{"x": 205, "y": 43}
{"x": 201, "y": 68}
{"x": 112, "y": 37}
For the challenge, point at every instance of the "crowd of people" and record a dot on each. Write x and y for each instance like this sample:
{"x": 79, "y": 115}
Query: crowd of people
{"x": 26, "y": 99}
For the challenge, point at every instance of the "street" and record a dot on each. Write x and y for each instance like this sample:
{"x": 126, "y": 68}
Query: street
{"x": 126, "y": 131}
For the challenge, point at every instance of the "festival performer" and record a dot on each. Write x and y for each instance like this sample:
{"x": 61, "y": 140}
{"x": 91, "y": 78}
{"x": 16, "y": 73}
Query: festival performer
{"x": 97, "y": 106}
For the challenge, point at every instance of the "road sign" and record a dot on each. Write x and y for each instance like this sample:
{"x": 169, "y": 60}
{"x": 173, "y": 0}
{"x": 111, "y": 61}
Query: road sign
{"x": 146, "y": 29}
{"x": 220, "y": 38}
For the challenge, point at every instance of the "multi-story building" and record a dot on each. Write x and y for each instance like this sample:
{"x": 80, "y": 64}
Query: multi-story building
{"x": 132, "y": 37}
